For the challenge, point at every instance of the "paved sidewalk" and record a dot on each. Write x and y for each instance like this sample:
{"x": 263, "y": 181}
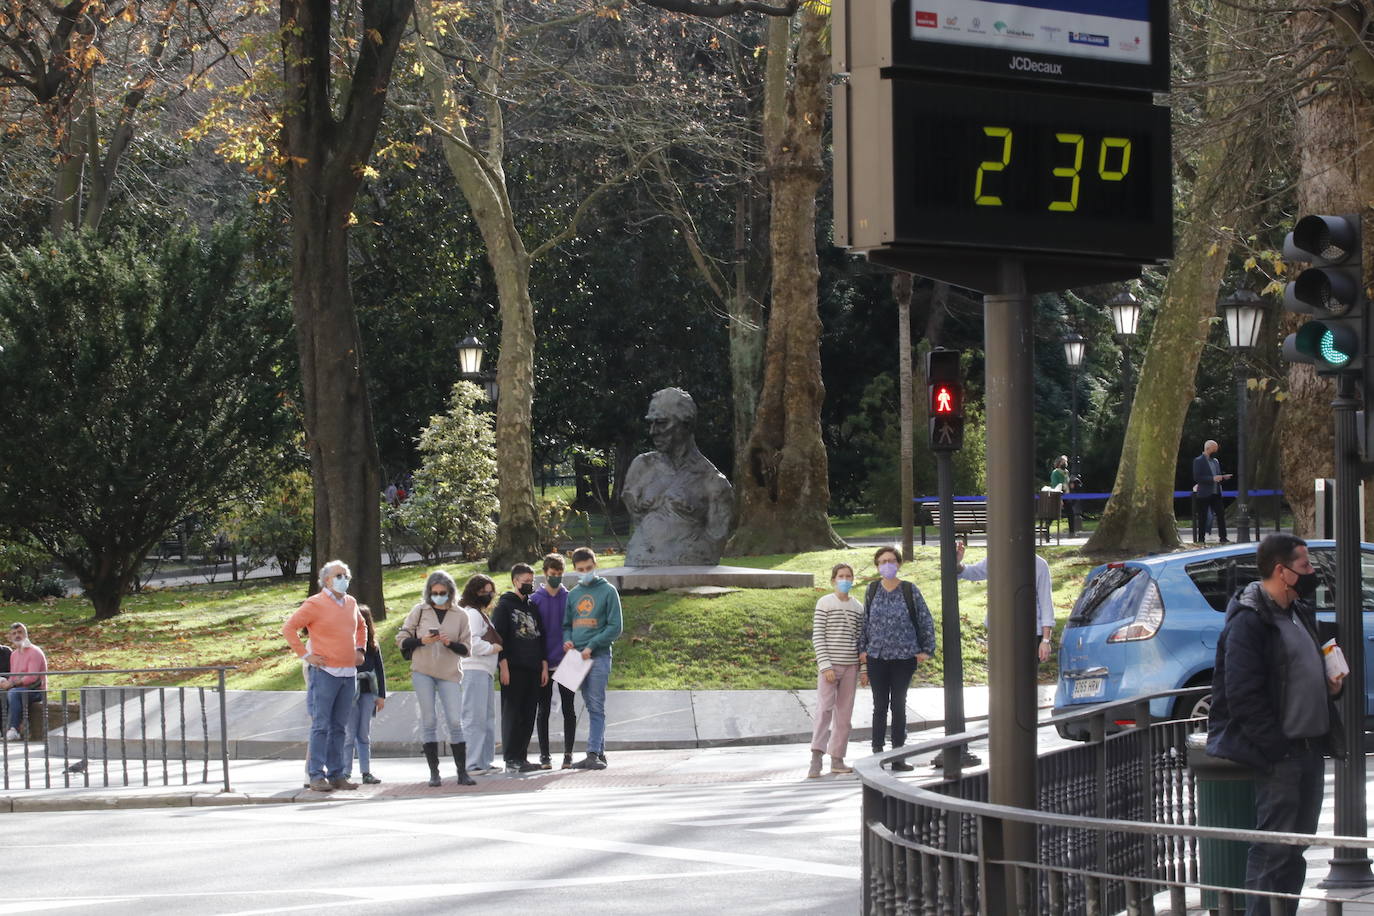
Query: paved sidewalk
{"x": 654, "y": 738}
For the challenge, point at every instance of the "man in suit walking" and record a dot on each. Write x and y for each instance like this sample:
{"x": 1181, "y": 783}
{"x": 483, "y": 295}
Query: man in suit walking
{"x": 1207, "y": 481}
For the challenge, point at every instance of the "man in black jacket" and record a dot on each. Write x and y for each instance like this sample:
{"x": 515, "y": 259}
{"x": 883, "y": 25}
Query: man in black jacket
{"x": 524, "y": 669}
{"x": 1272, "y": 710}
{"x": 1207, "y": 484}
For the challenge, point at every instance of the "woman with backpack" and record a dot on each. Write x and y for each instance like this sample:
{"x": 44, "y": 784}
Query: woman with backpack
{"x": 897, "y": 634}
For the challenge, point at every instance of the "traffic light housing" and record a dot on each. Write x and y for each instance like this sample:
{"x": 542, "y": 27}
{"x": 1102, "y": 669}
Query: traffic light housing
{"x": 1332, "y": 291}
{"x": 945, "y": 401}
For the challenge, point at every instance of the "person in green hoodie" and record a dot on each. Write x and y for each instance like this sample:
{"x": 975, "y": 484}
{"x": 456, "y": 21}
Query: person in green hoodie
{"x": 591, "y": 623}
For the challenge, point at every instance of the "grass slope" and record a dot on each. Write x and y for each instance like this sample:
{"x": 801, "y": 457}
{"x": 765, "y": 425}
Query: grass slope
{"x": 748, "y": 639}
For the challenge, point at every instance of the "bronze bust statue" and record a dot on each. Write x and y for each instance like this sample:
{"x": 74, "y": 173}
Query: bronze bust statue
{"x": 681, "y": 505}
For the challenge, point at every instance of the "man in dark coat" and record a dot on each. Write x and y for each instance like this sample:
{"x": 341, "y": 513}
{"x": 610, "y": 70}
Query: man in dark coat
{"x": 1272, "y": 710}
{"x": 1207, "y": 480}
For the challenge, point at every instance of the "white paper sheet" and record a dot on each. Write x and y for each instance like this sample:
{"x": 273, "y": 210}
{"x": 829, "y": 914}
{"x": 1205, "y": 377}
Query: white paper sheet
{"x": 572, "y": 670}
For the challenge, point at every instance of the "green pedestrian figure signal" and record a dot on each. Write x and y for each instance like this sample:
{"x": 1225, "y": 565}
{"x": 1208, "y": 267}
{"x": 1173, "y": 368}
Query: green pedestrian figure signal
{"x": 945, "y": 387}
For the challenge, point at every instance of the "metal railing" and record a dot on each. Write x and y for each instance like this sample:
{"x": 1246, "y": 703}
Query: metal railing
{"x": 119, "y": 734}
{"x": 1117, "y": 826}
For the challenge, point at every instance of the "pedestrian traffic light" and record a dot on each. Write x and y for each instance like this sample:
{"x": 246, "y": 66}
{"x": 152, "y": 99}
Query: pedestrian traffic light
{"x": 1332, "y": 290}
{"x": 945, "y": 388}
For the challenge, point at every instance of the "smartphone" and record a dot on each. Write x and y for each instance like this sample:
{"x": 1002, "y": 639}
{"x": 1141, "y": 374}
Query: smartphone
{"x": 433, "y": 631}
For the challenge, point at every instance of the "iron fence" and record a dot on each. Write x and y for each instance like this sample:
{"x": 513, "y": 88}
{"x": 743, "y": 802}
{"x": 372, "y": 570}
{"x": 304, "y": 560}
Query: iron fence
{"x": 133, "y": 734}
{"x": 1117, "y": 827}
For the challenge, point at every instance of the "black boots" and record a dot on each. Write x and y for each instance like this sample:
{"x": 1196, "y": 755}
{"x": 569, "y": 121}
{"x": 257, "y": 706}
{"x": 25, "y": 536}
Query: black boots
{"x": 432, "y": 758}
{"x": 460, "y": 757}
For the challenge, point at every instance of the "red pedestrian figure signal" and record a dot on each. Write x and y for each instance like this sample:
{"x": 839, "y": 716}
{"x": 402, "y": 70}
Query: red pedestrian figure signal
{"x": 944, "y": 400}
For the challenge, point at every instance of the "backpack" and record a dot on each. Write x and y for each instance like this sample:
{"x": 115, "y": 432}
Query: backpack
{"x": 908, "y": 593}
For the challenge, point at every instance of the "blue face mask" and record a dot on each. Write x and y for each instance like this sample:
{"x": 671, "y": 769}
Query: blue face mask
{"x": 439, "y": 600}
{"x": 341, "y": 584}
{"x": 844, "y": 585}
{"x": 589, "y": 577}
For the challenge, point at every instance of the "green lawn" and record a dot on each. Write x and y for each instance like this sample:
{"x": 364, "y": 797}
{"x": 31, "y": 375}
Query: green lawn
{"x": 758, "y": 638}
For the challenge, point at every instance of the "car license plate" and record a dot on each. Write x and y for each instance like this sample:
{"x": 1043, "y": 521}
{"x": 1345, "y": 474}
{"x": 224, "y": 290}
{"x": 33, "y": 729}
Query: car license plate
{"x": 1088, "y": 687}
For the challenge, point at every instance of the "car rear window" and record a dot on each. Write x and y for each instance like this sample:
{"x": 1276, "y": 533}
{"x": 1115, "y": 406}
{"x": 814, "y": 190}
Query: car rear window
{"x": 1219, "y": 578}
{"x": 1112, "y": 595}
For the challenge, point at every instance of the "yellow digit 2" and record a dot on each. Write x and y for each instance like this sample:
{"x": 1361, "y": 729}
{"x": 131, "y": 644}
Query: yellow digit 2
{"x": 1121, "y": 143}
{"x": 1071, "y": 173}
{"x": 992, "y": 165}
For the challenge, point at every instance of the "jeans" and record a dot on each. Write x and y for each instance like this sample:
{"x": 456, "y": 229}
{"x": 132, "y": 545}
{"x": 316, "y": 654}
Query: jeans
{"x": 518, "y": 701}
{"x": 566, "y": 699}
{"x": 835, "y": 707}
{"x": 358, "y": 734}
{"x": 889, "y": 679}
{"x": 20, "y": 698}
{"x": 329, "y": 699}
{"x": 450, "y": 693}
{"x": 479, "y": 718}
{"x": 594, "y": 695}
{"x": 1287, "y": 800}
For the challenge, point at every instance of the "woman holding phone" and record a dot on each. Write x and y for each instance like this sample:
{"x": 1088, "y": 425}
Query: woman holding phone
{"x": 435, "y": 637}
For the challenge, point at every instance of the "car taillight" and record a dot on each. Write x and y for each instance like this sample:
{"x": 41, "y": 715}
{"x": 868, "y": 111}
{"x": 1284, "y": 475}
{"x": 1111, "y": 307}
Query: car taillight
{"x": 1147, "y": 618}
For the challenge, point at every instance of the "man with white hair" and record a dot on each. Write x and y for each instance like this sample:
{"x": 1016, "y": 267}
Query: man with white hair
{"x": 337, "y": 638}
{"x": 25, "y": 680}
{"x": 1207, "y": 483}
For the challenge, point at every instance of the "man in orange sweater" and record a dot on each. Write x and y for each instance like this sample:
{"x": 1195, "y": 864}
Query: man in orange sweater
{"x": 335, "y": 650}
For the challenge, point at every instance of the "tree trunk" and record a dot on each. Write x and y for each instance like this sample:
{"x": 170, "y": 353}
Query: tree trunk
{"x": 326, "y": 157}
{"x": 782, "y": 482}
{"x": 1139, "y": 517}
{"x": 746, "y": 325}
{"x": 1336, "y": 175}
{"x": 481, "y": 178}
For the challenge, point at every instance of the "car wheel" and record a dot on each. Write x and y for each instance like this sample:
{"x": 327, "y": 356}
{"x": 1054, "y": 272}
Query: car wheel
{"x": 1194, "y": 707}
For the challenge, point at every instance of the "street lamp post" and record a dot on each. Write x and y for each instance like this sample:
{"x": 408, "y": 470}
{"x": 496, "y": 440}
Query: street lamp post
{"x": 1075, "y": 348}
{"x": 1244, "y": 314}
{"x": 470, "y": 353}
{"x": 1125, "y": 310}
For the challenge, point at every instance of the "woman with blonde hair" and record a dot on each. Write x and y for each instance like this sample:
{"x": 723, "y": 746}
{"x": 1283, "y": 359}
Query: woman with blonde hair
{"x": 435, "y": 637}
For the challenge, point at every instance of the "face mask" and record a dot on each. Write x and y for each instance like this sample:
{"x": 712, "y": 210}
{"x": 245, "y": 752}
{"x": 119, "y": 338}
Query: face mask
{"x": 438, "y": 600}
{"x": 341, "y": 584}
{"x": 589, "y": 577}
{"x": 844, "y": 585}
{"x": 481, "y": 600}
{"x": 887, "y": 570}
{"x": 554, "y": 581}
{"x": 527, "y": 589}
{"x": 1306, "y": 586}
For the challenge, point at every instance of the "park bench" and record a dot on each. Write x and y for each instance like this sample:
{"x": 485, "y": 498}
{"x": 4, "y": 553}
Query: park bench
{"x": 968, "y": 515}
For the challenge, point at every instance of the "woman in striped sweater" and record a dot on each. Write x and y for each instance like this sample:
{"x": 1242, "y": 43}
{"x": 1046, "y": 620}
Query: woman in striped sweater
{"x": 835, "y": 635}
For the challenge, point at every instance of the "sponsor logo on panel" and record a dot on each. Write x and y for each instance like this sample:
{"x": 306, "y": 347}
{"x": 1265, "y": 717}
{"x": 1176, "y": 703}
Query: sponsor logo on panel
{"x": 1086, "y": 38}
{"x": 1028, "y": 65}
{"x": 927, "y": 20}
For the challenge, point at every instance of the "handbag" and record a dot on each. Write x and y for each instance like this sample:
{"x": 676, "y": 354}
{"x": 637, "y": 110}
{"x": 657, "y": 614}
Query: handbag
{"x": 367, "y": 682}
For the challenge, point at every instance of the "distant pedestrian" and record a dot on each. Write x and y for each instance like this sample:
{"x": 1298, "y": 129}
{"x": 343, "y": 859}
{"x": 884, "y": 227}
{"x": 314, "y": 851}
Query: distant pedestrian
{"x": 371, "y": 700}
{"x": 591, "y": 624}
{"x": 1207, "y": 480}
{"x": 25, "y": 681}
{"x": 552, "y": 602}
{"x": 523, "y": 667}
{"x": 1272, "y": 710}
{"x": 435, "y": 638}
{"x": 1059, "y": 474}
{"x": 835, "y": 637}
{"x": 390, "y": 494}
{"x": 479, "y": 673}
{"x": 1041, "y": 617}
{"x": 337, "y": 638}
{"x": 897, "y": 634}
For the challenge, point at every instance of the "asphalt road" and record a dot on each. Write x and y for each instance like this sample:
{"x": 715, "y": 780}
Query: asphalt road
{"x": 747, "y": 847}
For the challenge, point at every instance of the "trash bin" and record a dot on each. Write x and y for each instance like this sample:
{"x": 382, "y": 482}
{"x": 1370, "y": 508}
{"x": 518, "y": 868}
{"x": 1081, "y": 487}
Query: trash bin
{"x": 1225, "y": 798}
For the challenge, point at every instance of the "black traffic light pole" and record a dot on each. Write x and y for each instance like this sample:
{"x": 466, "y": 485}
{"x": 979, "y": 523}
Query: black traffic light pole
{"x": 951, "y": 644}
{"x": 1349, "y": 867}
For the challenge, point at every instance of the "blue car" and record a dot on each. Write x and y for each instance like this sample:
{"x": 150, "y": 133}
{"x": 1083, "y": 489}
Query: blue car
{"x": 1150, "y": 625}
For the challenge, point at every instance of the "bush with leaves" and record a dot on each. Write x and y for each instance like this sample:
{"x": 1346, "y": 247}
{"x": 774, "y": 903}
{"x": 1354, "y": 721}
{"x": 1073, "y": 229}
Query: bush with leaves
{"x": 278, "y": 525}
{"x": 26, "y": 571}
{"x": 144, "y": 381}
{"x": 453, "y": 501}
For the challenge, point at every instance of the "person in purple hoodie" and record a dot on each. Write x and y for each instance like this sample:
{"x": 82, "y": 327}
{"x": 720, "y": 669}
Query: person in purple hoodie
{"x": 552, "y": 601}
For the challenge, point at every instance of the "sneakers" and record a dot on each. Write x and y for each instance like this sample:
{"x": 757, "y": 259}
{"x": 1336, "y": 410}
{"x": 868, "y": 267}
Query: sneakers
{"x": 13, "y": 735}
{"x": 369, "y": 779}
{"x": 815, "y": 770}
{"x": 521, "y": 766}
{"x": 593, "y": 761}
{"x": 901, "y": 766}
{"x": 838, "y": 767}
{"x": 567, "y": 762}
{"x": 601, "y": 755}
{"x": 545, "y": 762}
{"x": 320, "y": 784}
{"x": 343, "y": 782}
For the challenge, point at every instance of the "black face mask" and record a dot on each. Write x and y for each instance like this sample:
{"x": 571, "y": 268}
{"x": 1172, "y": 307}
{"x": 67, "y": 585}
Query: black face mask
{"x": 481, "y": 601}
{"x": 1306, "y": 586}
{"x": 527, "y": 589}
